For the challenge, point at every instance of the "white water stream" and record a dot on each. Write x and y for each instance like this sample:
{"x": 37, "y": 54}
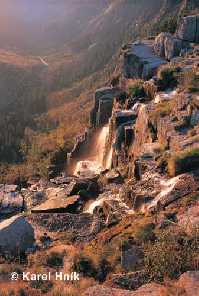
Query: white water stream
{"x": 94, "y": 164}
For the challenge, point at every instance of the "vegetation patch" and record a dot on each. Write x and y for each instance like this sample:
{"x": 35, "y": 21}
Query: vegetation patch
{"x": 161, "y": 110}
{"x": 168, "y": 77}
{"x": 171, "y": 255}
{"x": 136, "y": 89}
{"x": 55, "y": 260}
{"x": 145, "y": 233}
{"x": 190, "y": 81}
{"x": 183, "y": 162}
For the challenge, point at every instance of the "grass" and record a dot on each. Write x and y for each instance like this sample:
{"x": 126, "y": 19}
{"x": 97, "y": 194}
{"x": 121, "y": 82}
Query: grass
{"x": 136, "y": 89}
{"x": 162, "y": 109}
{"x": 190, "y": 81}
{"x": 172, "y": 254}
{"x": 55, "y": 260}
{"x": 145, "y": 233}
{"x": 183, "y": 162}
{"x": 167, "y": 77}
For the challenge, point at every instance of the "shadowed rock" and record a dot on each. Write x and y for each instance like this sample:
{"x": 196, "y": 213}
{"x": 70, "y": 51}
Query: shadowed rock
{"x": 16, "y": 235}
{"x": 189, "y": 28}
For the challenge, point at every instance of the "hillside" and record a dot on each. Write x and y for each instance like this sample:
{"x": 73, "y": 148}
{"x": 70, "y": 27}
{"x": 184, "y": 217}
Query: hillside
{"x": 40, "y": 99}
{"x": 122, "y": 218}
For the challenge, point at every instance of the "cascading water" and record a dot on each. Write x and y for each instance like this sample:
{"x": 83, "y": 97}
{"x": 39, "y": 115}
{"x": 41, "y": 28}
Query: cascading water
{"x": 93, "y": 163}
{"x": 109, "y": 159}
{"x": 101, "y": 142}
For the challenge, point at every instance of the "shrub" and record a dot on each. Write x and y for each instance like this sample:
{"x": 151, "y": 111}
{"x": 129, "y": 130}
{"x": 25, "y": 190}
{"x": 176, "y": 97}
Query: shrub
{"x": 136, "y": 89}
{"x": 84, "y": 265}
{"x": 190, "y": 199}
{"x": 43, "y": 286}
{"x": 171, "y": 255}
{"x": 165, "y": 24}
{"x": 103, "y": 270}
{"x": 167, "y": 77}
{"x": 55, "y": 259}
{"x": 169, "y": 25}
{"x": 183, "y": 162}
{"x": 122, "y": 97}
{"x": 145, "y": 233}
{"x": 115, "y": 81}
{"x": 22, "y": 292}
{"x": 162, "y": 109}
{"x": 190, "y": 81}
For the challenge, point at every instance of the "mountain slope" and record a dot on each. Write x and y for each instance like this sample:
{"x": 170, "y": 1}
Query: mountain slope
{"x": 52, "y": 97}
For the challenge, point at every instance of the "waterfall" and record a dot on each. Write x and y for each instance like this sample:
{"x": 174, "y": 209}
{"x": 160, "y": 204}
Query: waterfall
{"x": 101, "y": 144}
{"x": 93, "y": 162}
{"x": 109, "y": 159}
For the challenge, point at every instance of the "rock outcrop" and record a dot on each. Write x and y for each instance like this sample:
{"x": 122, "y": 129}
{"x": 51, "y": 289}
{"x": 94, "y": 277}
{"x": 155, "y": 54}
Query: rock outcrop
{"x": 104, "y": 98}
{"x": 81, "y": 144}
{"x": 83, "y": 227}
{"x": 168, "y": 46}
{"x": 188, "y": 29}
{"x": 16, "y": 235}
{"x": 58, "y": 205}
{"x": 172, "y": 190}
{"x": 140, "y": 61}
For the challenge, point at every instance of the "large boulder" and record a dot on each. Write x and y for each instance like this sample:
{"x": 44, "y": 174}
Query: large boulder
{"x": 188, "y": 29}
{"x": 159, "y": 45}
{"x": 80, "y": 227}
{"x": 168, "y": 46}
{"x": 59, "y": 205}
{"x": 140, "y": 61}
{"x": 91, "y": 187}
{"x": 143, "y": 133}
{"x": 16, "y": 235}
{"x": 172, "y": 190}
{"x": 173, "y": 47}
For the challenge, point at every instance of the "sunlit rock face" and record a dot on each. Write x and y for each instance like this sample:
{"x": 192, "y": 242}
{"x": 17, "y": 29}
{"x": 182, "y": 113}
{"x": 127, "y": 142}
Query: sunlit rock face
{"x": 87, "y": 168}
{"x": 140, "y": 60}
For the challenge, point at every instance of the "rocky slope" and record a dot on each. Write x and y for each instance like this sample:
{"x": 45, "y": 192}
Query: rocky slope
{"x": 73, "y": 66}
{"x": 132, "y": 227}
